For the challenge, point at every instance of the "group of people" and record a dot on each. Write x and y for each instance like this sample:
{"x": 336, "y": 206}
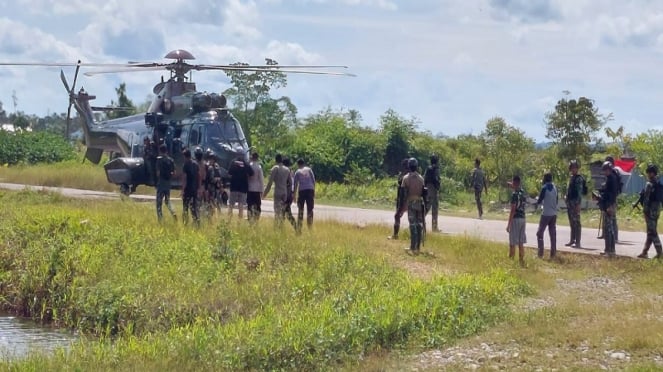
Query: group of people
{"x": 606, "y": 196}
{"x": 203, "y": 181}
{"x": 417, "y": 195}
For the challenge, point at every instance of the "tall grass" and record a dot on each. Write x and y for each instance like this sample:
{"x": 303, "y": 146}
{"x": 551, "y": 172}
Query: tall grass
{"x": 228, "y": 296}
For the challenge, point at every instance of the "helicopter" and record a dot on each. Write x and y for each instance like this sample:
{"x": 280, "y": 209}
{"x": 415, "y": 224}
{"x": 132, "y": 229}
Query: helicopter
{"x": 179, "y": 117}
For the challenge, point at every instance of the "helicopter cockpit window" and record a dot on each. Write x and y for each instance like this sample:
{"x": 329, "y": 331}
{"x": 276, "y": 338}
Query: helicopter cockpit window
{"x": 223, "y": 131}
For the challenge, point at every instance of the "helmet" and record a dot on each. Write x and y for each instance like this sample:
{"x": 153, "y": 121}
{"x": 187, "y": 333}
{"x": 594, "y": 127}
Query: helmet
{"x": 574, "y": 164}
{"x": 198, "y": 152}
{"x": 434, "y": 159}
{"x": 651, "y": 168}
{"x": 610, "y": 159}
{"x": 413, "y": 164}
{"x": 606, "y": 165}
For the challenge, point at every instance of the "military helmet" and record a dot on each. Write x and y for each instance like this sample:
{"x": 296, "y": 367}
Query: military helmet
{"x": 574, "y": 164}
{"x": 652, "y": 168}
{"x": 606, "y": 165}
{"x": 198, "y": 152}
{"x": 434, "y": 158}
{"x": 413, "y": 164}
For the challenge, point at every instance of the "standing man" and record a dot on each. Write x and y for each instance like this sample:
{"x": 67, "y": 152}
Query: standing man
{"x": 239, "y": 172}
{"x": 516, "y": 225}
{"x": 479, "y": 184}
{"x": 165, "y": 168}
{"x": 549, "y": 199}
{"x": 304, "y": 188}
{"x": 651, "y": 207}
{"x": 256, "y": 185}
{"x": 618, "y": 189}
{"x": 432, "y": 182}
{"x": 573, "y": 201}
{"x": 198, "y": 154}
{"x": 401, "y": 205}
{"x": 607, "y": 199}
{"x": 190, "y": 183}
{"x": 290, "y": 196}
{"x": 413, "y": 189}
{"x": 279, "y": 176}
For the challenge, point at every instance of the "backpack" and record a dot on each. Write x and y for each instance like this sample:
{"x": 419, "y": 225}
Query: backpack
{"x": 620, "y": 184}
{"x": 658, "y": 191}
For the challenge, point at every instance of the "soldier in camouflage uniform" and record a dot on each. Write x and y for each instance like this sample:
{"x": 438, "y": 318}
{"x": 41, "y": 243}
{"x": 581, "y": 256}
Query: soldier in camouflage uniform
{"x": 573, "y": 201}
{"x": 401, "y": 206}
{"x": 432, "y": 181}
{"x": 607, "y": 200}
{"x": 517, "y": 224}
{"x": 413, "y": 188}
{"x": 479, "y": 184}
{"x": 651, "y": 207}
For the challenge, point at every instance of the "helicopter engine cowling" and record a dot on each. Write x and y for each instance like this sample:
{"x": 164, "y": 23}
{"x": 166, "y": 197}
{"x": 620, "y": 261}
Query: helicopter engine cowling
{"x": 126, "y": 171}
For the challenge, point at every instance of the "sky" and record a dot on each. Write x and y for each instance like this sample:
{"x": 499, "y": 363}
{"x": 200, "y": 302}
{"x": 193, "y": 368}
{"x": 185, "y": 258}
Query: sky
{"x": 450, "y": 64}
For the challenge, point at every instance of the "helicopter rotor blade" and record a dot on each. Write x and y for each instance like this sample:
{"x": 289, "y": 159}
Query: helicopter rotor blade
{"x": 64, "y": 64}
{"x": 287, "y": 70}
{"x": 64, "y": 81}
{"x": 126, "y": 68}
{"x": 271, "y": 69}
{"x": 71, "y": 98}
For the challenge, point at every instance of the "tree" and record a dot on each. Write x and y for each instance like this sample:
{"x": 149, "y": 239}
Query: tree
{"x": 506, "y": 148}
{"x": 122, "y": 101}
{"x": 397, "y": 132}
{"x": 20, "y": 121}
{"x": 574, "y": 125}
{"x": 249, "y": 92}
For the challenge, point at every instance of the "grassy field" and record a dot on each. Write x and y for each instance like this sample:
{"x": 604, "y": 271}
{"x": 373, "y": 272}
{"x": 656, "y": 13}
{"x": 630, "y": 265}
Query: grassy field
{"x": 229, "y": 297}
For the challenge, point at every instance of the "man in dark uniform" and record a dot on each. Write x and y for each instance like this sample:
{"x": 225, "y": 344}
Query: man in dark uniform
{"x": 190, "y": 184}
{"x": 618, "y": 190}
{"x": 432, "y": 181}
{"x": 651, "y": 208}
{"x": 479, "y": 184}
{"x": 573, "y": 200}
{"x": 607, "y": 199}
{"x": 165, "y": 170}
{"x": 400, "y": 200}
{"x": 413, "y": 190}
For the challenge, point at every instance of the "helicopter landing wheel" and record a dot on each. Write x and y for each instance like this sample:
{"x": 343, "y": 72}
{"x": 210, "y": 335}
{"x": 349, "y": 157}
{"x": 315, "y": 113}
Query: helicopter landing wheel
{"x": 126, "y": 189}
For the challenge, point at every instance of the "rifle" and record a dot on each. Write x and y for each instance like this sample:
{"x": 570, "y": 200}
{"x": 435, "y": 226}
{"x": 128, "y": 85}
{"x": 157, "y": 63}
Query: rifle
{"x": 425, "y": 208}
{"x": 423, "y": 221}
{"x": 639, "y": 202}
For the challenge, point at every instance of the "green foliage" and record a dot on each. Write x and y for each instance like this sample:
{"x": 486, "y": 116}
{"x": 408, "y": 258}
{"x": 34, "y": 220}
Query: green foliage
{"x": 574, "y": 125}
{"x": 397, "y": 132}
{"x": 33, "y": 147}
{"x": 507, "y": 151}
{"x": 335, "y": 148}
{"x": 229, "y": 298}
{"x": 648, "y": 148}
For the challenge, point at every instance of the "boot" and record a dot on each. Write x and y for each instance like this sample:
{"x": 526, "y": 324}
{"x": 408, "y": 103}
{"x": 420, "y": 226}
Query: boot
{"x": 414, "y": 238}
{"x": 395, "y": 235}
